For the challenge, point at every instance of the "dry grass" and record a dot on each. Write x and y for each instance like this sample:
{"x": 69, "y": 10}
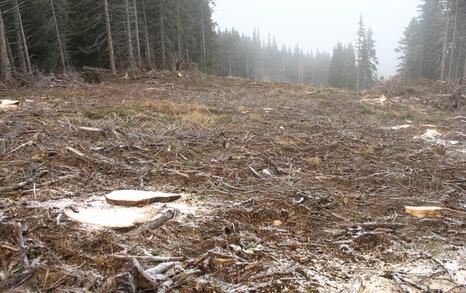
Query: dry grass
{"x": 187, "y": 114}
{"x": 313, "y": 161}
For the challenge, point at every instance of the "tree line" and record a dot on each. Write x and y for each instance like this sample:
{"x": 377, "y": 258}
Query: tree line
{"x": 434, "y": 43}
{"x": 129, "y": 35}
{"x": 252, "y": 57}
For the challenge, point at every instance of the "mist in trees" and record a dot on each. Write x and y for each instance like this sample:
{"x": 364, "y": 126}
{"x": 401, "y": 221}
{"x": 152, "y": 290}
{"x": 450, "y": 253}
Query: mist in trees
{"x": 256, "y": 58}
{"x": 434, "y": 43}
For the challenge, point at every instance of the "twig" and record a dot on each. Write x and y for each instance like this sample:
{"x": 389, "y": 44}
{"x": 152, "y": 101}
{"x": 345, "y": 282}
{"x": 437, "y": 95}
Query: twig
{"x": 31, "y": 142}
{"x": 148, "y": 258}
{"x": 22, "y": 184}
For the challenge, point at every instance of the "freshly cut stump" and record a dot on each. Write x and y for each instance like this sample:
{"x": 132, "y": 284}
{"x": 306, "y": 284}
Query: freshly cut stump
{"x": 137, "y": 198}
{"x": 112, "y": 217}
{"x": 424, "y": 212}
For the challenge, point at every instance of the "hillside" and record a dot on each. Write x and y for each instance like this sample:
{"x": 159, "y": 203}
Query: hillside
{"x": 284, "y": 188}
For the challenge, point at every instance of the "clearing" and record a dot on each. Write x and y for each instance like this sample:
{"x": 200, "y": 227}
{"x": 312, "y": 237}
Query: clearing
{"x": 284, "y": 188}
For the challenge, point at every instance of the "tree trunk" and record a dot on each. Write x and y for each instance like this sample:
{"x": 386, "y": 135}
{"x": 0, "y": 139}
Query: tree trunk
{"x": 204, "y": 54}
{"x": 136, "y": 21}
{"x": 5, "y": 66}
{"x": 445, "y": 43}
{"x": 146, "y": 35}
{"x": 24, "y": 45}
{"x": 453, "y": 49}
{"x": 178, "y": 29}
{"x": 464, "y": 72}
{"x": 22, "y": 66}
{"x": 111, "y": 55}
{"x": 59, "y": 40}
{"x": 162, "y": 35}
{"x": 10, "y": 54}
{"x": 129, "y": 38}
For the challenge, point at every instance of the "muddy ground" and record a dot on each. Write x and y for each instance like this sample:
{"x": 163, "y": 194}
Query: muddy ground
{"x": 285, "y": 188}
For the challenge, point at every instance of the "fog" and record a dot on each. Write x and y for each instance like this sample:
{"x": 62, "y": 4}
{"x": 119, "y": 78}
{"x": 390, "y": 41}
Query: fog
{"x": 320, "y": 24}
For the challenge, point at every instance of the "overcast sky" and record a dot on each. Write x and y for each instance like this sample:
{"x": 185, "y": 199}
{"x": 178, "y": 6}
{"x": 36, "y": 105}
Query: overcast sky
{"x": 320, "y": 24}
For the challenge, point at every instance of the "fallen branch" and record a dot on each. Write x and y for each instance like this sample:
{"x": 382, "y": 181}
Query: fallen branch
{"x": 23, "y": 184}
{"x": 148, "y": 258}
{"x": 156, "y": 223}
{"x": 29, "y": 143}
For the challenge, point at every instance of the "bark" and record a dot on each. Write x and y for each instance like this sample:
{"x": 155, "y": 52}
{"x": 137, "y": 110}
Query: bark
{"x": 111, "y": 55}
{"x": 5, "y": 66}
{"x": 453, "y": 49}
{"x": 136, "y": 22}
{"x": 146, "y": 35}
{"x": 59, "y": 39}
{"x": 162, "y": 35}
{"x": 445, "y": 44}
{"x": 129, "y": 38}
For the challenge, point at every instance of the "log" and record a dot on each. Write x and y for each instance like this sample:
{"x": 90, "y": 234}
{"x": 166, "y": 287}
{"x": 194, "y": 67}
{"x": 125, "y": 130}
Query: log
{"x": 96, "y": 69}
{"x": 138, "y": 198}
{"x": 22, "y": 184}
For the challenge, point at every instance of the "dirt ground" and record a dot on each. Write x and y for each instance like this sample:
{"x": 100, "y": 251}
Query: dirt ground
{"x": 285, "y": 188}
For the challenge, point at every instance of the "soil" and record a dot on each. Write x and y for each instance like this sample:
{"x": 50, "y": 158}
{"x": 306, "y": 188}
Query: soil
{"x": 285, "y": 188}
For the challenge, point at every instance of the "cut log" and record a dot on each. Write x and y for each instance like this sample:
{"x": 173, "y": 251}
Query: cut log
{"x": 424, "y": 212}
{"x": 96, "y": 69}
{"x": 137, "y": 198}
{"x": 8, "y": 104}
{"x": 111, "y": 217}
{"x": 90, "y": 129}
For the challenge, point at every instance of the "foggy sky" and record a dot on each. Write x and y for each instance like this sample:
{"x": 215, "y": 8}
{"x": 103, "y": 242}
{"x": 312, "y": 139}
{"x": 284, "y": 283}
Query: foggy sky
{"x": 320, "y": 24}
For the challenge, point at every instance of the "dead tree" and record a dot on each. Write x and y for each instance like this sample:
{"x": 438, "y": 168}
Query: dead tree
{"x": 61, "y": 47}
{"x": 445, "y": 43}
{"x": 22, "y": 48}
{"x": 453, "y": 49}
{"x": 464, "y": 72}
{"x": 162, "y": 35}
{"x": 203, "y": 41}
{"x": 136, "y": 23}
{"x": 5, "y": 65}
{"x": 146, "y": 35}
{"x": 129, "y": 37}
{"x": 111, "y": 55}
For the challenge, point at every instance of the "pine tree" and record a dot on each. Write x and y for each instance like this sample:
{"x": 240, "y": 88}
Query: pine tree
{"x": 410, "y": 50}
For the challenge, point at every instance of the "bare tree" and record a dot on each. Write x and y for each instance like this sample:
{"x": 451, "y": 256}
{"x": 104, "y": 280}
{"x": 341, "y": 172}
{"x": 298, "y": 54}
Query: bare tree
{"x": 5, "y": 65}
{"x": 146, "y": 35}
{"x": 178, "y": 29}
{"x": 445, "y": 43}
{"x": 136, "y": 23}
{"x": 22, "y": 48}
{"x": 61, "y": 47}
{"x": 464, "y": 73}
{"x": 129, "y": 38}
{"x": 162, "y": 34}
{"x": 203, "y": 41}
{"x": 453, "y": 49}
{"x": 111, "y": 54}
